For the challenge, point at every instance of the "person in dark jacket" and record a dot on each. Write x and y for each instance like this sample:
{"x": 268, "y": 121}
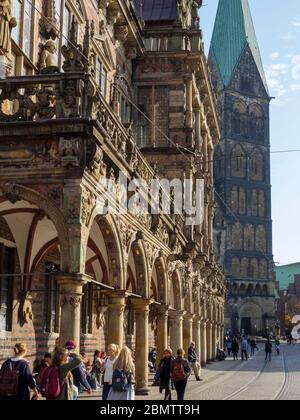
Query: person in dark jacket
{"x": 268, "y": 350}
{"x": 79, "y": 376}
{"x": 163, "y": 374}
{"x": 235, "y": 348}
{"x": 180, "y": 372}
{"x": 193, "y": 359}
{"x": 26, "y": 381}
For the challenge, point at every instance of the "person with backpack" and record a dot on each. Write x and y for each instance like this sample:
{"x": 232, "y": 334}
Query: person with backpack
{"x": 180, "y": 372}
{"x": 56, "y": 381}
{"x": 123, "y": 381}
{"x": 79, "y": 373}
{"x": 16, "y": 379}
{"x": 268, "y": 350}
{"x": 163, "y": 374}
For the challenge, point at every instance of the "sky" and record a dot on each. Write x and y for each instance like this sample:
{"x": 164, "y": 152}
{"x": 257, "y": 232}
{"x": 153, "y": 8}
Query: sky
{"x": 277, "y": 25}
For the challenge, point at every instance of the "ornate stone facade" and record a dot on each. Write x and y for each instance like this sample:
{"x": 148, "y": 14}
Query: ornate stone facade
{"x": 76, "y": 273}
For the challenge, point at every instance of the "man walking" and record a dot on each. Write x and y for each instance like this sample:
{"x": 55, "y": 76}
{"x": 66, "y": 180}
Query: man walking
{"x": 193, "y": 359}
{"x": 245, "y": 347}
{"x": 268, "y": 349}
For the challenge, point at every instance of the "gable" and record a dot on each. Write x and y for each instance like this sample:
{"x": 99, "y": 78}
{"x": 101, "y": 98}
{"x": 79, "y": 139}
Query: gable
{"x": 246, "y": 77}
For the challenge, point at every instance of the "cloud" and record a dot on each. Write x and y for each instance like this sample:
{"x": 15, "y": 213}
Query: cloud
{"x": 274, "y": 55}
{"x": 296, "y": 67}
{"x": 295, "y": 87}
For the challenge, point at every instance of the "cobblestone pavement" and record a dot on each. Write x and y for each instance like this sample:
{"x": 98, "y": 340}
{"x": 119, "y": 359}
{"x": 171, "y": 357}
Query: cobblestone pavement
{"x": 252, "y": 380}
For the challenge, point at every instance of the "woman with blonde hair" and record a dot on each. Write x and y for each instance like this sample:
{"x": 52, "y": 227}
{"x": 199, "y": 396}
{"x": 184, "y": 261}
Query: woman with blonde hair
{"x": 16, "y": 378}
{"x": 123, "y": 381}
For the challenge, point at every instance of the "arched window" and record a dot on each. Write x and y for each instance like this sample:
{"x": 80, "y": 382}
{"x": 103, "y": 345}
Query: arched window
{"x": 237, "y": 236}
{"x": 236, "y": 267}
{"x": 249, "y": 238}
{"x": 261, "y": 239}
{"x": 262, "y": 204}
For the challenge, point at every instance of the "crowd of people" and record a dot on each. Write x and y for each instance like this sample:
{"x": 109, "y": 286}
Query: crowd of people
{"x": 64, "y": 374}
{"x": 246, "y": 346}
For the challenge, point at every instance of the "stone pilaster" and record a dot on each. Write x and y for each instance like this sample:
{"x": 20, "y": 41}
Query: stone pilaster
{"x": 209, "y": 338}
{"x": 197, "y": 335}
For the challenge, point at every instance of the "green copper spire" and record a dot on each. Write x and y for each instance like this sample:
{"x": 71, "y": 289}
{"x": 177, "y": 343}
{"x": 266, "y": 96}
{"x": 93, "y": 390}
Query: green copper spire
{"x": 232, "y": 32}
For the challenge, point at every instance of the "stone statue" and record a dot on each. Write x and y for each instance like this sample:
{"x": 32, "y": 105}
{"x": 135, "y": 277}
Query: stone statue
{"x": 7, "y": 22}
{"x": 48, "y": 60}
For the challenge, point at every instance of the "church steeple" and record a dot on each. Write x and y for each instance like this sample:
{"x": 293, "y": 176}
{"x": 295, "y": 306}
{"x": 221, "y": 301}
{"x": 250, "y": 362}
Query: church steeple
{"x": 233, "y": 32}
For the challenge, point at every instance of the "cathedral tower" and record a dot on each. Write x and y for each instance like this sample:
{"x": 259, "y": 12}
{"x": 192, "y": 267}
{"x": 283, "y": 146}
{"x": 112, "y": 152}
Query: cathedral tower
{"x": 243, "y": 225}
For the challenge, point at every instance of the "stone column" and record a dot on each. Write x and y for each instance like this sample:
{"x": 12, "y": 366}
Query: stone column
{"x": 176, "y": 336}
{"x": 189, "y": 102}
{"x": 187, "y": 331}
{"x": 199, "y": 139}
{"x": 70, "y": 287}
{"x": 116, "y": 307}
{"x": 141, "y": 309}
{"x": 203, "y": 343}
{"x": 197, "y": 335}
{"x": 209, "y": 341}
{"x": 162, "y": 331}
{"x": 214, "y": 341}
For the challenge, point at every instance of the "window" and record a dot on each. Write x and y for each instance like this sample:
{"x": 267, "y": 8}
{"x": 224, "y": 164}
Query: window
{"x": 22, "y": 34}
{"x": 51, "y": 300}
{"x": 87, "y": 309}
{"x": 7, "y": 268}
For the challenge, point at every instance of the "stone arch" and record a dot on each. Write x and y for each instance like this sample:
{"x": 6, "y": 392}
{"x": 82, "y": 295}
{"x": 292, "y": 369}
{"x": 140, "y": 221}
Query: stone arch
{"x": 249, "y": 238}
{"x": 257, "y": 166}
{"x": 141, "y": 268}
{"x": 14, "y": 193}
{"x": 258, "y": 290}
{"x": 175, "y": 297}
{"x": 263, "y": 269}
{"x": 250, "y": 290}
{"x": 254, "y": 268}
{"x": 239, "y": 118}
{"x": 238, "y": 162}
{"x": 265, "y": 290}
{"x": 160, "y": 269}
{"x": 261, "y": 239}
{"x": 256, "y": 120}
{"x": 236, "y": 267}
{"x": 262, "y": 204}
{"x": 243, "y": 289}
{"x": 254, "y": 203}
{"x": 244, "y": 267}
{"x": 254, "y": 312}
{"x": 237, "y": 236}
{"x": 113, "y": 249}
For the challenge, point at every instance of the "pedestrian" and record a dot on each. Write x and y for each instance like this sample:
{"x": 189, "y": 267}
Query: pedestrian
{"x": 163, "y": 374}
{"x": 46, "y": 362}
{"x": 194, "y": 361}
{"x": 57, "y": 380}
{"x": 16, "y": 379}
{"x": 244, "y": 348}
{"x": 98, "y": 363}
{"x": 229, "y": 346}
{"x": 152, "y": 358}
{"x": 268, "y": 350}
{"x": 253, "y": 346}
{"x": 180, "y": 372}
{"x": 79, "y": 373}
{"x": 112, "y": 353}
{"x": 235, "y": 348}
{"x": 277, "y": 346}
{"x": 123, "y": 381}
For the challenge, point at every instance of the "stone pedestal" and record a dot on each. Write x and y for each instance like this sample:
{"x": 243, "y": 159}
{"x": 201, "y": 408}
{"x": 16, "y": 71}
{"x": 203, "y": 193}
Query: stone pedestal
{"x": 187, "y": 331}
{"x": 70, "y": 303}
{"x": 162, "y": 331}
{"x": 203, "y": 344}
{"x": 176, "y": 337}
{"x": 116, "y": 308}
{"x": 141, "y": 309}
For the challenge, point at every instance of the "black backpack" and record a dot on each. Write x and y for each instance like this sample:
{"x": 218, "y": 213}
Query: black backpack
{"x": 120, "y": 381}
{"x": 9, "y": 379}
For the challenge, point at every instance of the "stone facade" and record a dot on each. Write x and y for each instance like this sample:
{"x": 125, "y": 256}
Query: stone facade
{"x": 66, "y": 123}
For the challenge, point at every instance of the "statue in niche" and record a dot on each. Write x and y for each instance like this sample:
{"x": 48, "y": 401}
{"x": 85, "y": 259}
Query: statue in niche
{"x": 7, "y": 23}
{"x": 48, "y": 59}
